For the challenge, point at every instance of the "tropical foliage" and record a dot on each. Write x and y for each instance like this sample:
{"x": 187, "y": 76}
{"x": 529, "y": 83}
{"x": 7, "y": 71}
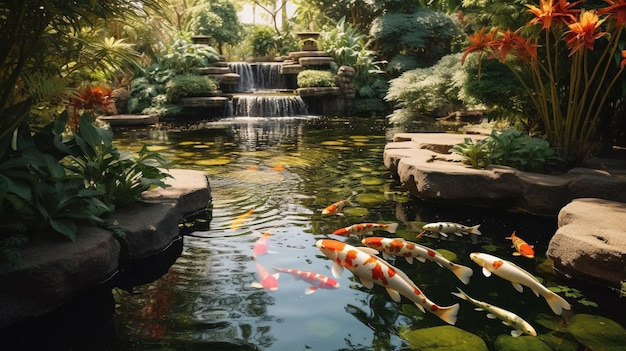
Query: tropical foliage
{"x": 567, "y": 58}
{"x": 315, "y": 78}
{"x": 218, "y": 20}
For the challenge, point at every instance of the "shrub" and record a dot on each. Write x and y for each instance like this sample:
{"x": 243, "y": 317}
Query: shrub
{"x": 315, "y": 78}
{"x": 189, "y": 85}
{"x": 263, "y": 41}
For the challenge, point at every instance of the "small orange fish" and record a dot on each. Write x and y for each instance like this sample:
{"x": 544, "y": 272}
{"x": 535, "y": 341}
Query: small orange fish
{"x": 279, "y": 168}
{"x": 337, "y": 206}
{"x": 366, "y": 228}
{"x": 523, "y": 249}
{"x": 237, "y": 222}
{"x": 268, "y": 281}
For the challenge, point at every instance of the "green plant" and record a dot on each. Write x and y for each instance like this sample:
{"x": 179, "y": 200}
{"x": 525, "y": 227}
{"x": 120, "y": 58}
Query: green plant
{"x": 315, "y": 78}
{"x": 119, "y": 176}
{"x": 263, "y": 41}
{"x": 509, "y": 148}
{"x": 189, "y": 85}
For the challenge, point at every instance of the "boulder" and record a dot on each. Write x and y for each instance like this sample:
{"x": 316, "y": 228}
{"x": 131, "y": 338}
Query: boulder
{"x": 590, "y": 241}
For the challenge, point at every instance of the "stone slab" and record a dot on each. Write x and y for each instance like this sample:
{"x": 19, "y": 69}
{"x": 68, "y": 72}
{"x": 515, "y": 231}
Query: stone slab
{"x": 129, "y": 120}
{"x": 590, "y": 242}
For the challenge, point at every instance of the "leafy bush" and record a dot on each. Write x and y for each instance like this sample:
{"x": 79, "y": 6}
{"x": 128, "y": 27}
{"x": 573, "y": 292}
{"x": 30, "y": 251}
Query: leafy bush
{"x": 50, "y": 183}
{"x": 509, "y": 148}
{"x": 422, "y": 91}
{"x": 189, "y": 85}
{"x": 263, "y": 41}
{"x": 315, "y": 78}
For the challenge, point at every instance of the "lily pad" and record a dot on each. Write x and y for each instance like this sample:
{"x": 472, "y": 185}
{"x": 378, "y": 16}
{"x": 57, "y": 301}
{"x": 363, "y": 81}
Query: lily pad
{"x": 158, "y": 148}
{"x": 185, "y": 143}
{"x": 332, "y": 143}
{"x": 257, "y": 177}
{"x": 490, "y": 248}
{"x": 372, "y": 181}
{"x": 370, "y": 198}
{"x": 520, "y": 343}
{"x": 444, "y": 338}
{"x": 447, "y": 254}
{"x": 597, "y": 333}
{"x": 356, "y": 211}
{"x": 220, "y": 161}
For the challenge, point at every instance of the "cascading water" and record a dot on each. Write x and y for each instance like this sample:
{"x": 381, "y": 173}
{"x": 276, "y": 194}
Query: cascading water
{"x": 269, "y": 106}
{"x": 258, "y": 85}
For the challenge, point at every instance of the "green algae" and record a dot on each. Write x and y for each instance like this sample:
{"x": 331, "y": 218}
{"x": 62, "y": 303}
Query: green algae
{"x": 443, "y": 338}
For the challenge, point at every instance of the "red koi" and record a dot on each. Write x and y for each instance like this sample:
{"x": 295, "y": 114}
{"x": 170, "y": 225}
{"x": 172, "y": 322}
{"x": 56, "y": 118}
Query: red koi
{"x": 268, "y": 281}
{"x": 261, "y": 245}
{"x": 316, "y": 280}
{"x": 522, "y": 247}
{"x": 366, "y": 228}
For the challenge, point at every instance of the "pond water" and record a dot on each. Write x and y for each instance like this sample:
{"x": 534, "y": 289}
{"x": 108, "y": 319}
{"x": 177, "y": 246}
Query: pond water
{"x": 277, "y": 176}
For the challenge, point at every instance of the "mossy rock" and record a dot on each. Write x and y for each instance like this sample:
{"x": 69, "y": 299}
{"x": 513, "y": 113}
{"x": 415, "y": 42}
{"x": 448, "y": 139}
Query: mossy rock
{"x": 596, "y": 333}
{"x": 444, "y": 338}
{"x": 560, "y": 341}
{"x": 520, "y": 343}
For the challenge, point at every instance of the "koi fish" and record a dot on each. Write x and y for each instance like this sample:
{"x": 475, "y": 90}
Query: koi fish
{"x": 508, "y": 318}
{"x": 371, "y": 270}
{"x": 337, "y": 206}
{"x": 268, "y": 281}
{"x": 238, "y": 221}
{"x": 522, "y": 248}
{"x": 445, "y": 228}
{"x": 261, "y": 245}
{"x": 410, "y": 250}
{"x": 318, "y": 281}
{"x": 366, "y": 228}
{"x": 518, "y": 277}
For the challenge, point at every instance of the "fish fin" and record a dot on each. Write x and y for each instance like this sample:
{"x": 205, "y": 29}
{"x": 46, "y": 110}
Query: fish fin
{"x": 486, "y": 272}
{"x": 448, "y": 314}
{"x": 491, "y": 316}
{"x": 515, "y": 333}
{"x": 367, "y": 283}
{"x": 458, "y": 234}
{"x": 557, "y": 303}
{"x": 421, "y": 308}
{"x": 409, "y": 259}
{"x": 461, "y": 294}
{"x": 421, "y": 259}
{"x": 276, "y": 275}
{"x": 479, "y": 309}
{"x": 256, "y": 285}
{"x": 368, "y": 250}
{"x": 519, "y": 287}
{"x": 474, "y": 229}
{"x": 516, "y": 253}
{"x": 392, "y": 227}
{"x": 443, "y": 234}
{"x": 310, "y": 290}
{"x": 462, "y": 272}
{"x": 395, "y": 296}
{"x": 337, "y": 270}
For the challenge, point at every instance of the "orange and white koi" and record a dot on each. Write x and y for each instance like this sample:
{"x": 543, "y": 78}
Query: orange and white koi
{"x": 410, "y": 250}
{"x": 268, "y": 281}
{"x": 371, "y": 270}
{"x": 445, "y": 228}
{"x": 508, "y": 318}
{"x": 261, "y": 245}
{"x": 366, "y": 228}
{"x": 518, "y": 277}
{"x": 337, "y": 206}
{"x": 522, "y": 248}
{"x": 316, "y": 280}
{"x": 239, "y": 220}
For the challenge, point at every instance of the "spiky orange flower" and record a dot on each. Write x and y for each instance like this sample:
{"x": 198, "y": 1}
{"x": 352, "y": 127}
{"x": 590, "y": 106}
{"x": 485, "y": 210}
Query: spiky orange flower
{"x": 617, "y": 9}
{"x": 524, "y": 48}
{"x": 561, "y": 12}
{"x": 503, "y": 45}
{"x": 582, "y": 34}
{"x": 623, "y": 63}
{"x": 543, "y": 13}
{"x": 479, "y": 42}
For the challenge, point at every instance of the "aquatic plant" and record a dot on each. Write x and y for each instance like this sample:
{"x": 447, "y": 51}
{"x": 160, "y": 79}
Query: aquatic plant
{"x": 552, "y": 56}
{"x": 315, "y": 78}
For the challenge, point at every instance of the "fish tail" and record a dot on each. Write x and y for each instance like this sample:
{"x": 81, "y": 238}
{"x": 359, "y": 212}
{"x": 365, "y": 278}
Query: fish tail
{"x": 512, "y": 236}
{"x": 474, "y": 229}
{"x": 556, "y": 302}
{"x": 448, "y": 314}
{"x": 461, "y": 294}
{"x": 392, "y": 227}
{"x": 462, "y": 272}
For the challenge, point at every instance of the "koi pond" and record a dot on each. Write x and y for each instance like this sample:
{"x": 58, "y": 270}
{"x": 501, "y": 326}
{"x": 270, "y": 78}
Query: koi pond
{"x": 277, "y": 176}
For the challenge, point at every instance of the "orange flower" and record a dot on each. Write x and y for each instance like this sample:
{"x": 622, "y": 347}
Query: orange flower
{"x": 549, "y": 12}
{"x": 617, "y": 8}
{"x": 623, "y": 63}
{"x": 543, "y": 13}
{"x": 479, "y": 42}
{"x": 524, "y": 48}
{"x": 584, "y": 32}
{"x": 503, "y": 45}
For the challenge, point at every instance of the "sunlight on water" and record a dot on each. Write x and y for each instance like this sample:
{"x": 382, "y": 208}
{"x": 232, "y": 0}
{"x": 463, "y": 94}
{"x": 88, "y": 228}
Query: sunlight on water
{"x": 287, "y": 172}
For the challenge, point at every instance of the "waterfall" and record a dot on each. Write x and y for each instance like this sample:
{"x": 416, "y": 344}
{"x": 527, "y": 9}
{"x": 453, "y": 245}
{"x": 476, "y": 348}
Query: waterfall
{"x": 269, "y": 106}
{"x": 267, "y": 76}
{"x": 246, "y": 75}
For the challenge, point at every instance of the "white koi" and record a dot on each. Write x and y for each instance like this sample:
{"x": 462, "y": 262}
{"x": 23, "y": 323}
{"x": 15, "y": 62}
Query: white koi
{"x": 508, "y": 318}
{"x": 316, "y": 280}
{"x": 410, "y": 250}
{"x": 268, "y": 281}
{"x": 518, "y": 277}
{"x": 371, "y": 270}
{"x": 445, "y": 228}
{"x": 366, "y": 228}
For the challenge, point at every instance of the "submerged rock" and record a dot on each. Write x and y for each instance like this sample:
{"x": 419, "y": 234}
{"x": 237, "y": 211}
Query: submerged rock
{"x": 521, "y": 343}
{"x": 447, "y": 337}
